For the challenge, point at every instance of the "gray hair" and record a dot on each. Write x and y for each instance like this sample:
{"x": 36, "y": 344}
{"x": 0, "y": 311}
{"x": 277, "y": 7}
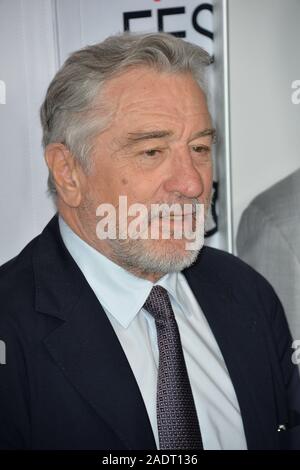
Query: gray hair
{"x": 70, "y": 111}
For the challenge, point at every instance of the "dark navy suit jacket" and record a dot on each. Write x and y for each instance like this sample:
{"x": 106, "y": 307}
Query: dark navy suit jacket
{"x": 67, "y": 383}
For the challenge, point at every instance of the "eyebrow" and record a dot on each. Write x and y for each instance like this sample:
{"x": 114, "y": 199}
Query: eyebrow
{"x": 138, "y": 136}
{"x": 134, "y": 137}
{"x": 204, "y": 133}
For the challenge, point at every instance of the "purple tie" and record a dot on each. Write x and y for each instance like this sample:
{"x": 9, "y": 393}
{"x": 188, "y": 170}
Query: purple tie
{"x": 177, "y": 421}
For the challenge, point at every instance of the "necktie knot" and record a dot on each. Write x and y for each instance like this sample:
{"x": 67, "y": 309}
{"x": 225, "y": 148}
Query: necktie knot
{"x": 158, "y": 304}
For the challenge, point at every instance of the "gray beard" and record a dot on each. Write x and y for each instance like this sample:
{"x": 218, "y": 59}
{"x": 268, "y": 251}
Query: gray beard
{"x": 144, "y": 257}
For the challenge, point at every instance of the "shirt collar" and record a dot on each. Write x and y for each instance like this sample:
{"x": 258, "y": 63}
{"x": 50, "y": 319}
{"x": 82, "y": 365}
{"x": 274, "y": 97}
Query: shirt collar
{"x": 120, "y": 292}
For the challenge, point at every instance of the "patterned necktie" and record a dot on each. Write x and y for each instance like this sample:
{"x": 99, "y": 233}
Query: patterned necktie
{"x": 177, "y": 421}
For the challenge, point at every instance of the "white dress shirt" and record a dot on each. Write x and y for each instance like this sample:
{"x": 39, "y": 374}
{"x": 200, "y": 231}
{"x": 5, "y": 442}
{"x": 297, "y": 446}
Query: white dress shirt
{"x": 122, "y": 296}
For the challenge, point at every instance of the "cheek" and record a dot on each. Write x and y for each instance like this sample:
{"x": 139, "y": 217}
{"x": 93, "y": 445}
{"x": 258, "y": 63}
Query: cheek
{"x": 209, "y": 170}
{"x": 209, "y": 176}
{"x": 206, "y": 174}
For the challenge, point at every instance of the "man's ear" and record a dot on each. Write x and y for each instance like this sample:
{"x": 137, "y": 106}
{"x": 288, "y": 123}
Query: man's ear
{"x": 66, "y": 173}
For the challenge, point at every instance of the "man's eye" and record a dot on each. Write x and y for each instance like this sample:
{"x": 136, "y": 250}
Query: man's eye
{"x": 200, "y": 149}
{"x": 151, "y": 152}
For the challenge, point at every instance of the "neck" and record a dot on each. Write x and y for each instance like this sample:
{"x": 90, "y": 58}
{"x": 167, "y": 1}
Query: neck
{"x": 83, "y": 231}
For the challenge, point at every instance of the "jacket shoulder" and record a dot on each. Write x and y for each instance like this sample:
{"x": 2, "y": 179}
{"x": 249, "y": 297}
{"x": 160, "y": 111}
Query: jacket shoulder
{"x": 226, "y": 266}
{"x": 280, "y": 202}
{"x": 228, "y": 272}
{"x": 272, "y": 218}
{"x": 17, "y": 286}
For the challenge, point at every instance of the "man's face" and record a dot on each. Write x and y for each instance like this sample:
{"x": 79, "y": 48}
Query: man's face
{"x": 157, "y": 149}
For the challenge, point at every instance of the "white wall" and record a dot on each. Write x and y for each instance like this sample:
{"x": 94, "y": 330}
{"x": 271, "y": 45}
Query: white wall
{"x": 264, "y": 60}
{"x": 27, "y": 64}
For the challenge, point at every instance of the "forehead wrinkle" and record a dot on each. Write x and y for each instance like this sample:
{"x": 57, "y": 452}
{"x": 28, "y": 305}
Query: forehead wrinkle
{"x": 146, "y": 82}
{"x": 152, "y": 105}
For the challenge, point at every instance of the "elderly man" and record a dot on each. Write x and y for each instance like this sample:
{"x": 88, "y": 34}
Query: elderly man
{"x": 118, "y": 340}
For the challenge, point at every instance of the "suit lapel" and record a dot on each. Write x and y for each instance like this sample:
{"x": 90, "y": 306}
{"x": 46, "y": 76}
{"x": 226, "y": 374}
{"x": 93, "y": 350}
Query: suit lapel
{"x": 244, "y": 353}
{"x": 85, "y": 346}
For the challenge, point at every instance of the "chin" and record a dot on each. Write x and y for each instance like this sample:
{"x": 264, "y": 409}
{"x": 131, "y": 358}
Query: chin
{"x": 155, "y": 256}
{"x": 166, "y": 256}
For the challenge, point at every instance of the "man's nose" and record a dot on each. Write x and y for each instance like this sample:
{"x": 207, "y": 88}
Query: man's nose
{"x": 184, "y": 178}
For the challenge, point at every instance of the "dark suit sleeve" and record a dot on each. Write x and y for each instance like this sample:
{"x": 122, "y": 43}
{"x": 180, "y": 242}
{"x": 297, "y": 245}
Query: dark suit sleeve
{"x": 14, "y": 388}
{"x": 288, "y": 372}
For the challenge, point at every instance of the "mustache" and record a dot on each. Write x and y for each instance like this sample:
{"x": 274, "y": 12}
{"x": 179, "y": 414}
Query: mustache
{"x": 164, "y": 209}
{"x": 179, "y": 207}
